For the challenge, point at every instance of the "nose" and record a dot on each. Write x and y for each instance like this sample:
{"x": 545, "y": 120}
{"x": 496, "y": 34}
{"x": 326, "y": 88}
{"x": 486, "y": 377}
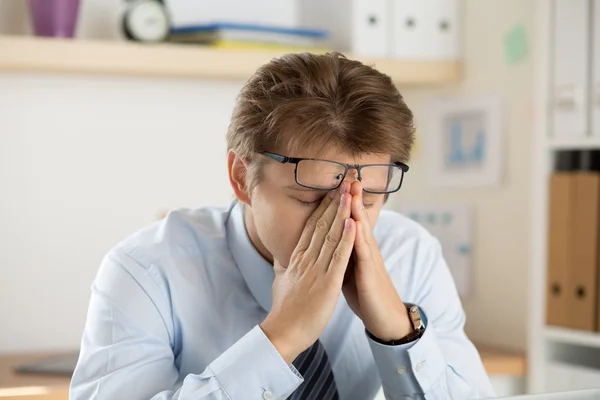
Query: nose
{"x": 352, "y": 176}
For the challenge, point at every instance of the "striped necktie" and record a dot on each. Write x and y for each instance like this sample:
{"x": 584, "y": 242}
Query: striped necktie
{"x": 314, "y": 367}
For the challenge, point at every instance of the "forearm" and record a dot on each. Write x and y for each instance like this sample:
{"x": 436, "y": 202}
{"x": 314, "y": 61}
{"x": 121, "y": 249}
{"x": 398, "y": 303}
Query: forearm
{"x": 248, "y": 368}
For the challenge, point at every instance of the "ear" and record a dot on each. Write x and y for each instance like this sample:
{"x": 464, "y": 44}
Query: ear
{"x": 237, "y": 169}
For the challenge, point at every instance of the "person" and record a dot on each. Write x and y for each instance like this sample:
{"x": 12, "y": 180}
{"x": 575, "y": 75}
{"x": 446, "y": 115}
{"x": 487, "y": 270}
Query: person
{"x": 303, "y": 288}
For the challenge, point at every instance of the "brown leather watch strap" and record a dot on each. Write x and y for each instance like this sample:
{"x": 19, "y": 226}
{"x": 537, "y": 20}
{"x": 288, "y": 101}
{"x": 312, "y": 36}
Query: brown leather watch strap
{"x": 414, "y": 313}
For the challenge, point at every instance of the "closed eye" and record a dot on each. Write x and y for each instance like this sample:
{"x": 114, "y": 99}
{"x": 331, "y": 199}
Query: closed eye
{"x": 310, "y": 203}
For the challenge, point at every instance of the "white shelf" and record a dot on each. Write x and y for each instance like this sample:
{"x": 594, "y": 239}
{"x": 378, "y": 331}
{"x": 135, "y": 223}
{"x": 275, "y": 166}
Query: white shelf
{"x": 573, "y": 144}
{"x": 572, "y": 336}
{"x": 34, "y": 54}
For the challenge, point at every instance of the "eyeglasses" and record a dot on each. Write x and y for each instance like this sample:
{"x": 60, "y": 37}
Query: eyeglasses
{"x": 314, "y": 173}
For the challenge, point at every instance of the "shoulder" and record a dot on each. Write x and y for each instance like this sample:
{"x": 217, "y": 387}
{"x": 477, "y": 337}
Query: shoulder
{"x": 180, "y": 231}
{"x": 176, "y": 244}
{"x": 405, "y": 243}
{"x": 393, "y": 227}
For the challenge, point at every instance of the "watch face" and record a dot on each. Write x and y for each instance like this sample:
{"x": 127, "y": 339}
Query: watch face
{"x": 147, "y": 21}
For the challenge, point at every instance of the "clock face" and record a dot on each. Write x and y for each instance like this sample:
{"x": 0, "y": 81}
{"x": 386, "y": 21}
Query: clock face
{"x": 147, "y": 21}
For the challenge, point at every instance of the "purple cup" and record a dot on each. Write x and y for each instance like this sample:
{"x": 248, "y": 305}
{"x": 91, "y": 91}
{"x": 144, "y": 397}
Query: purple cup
{"x": 56, "y": 18}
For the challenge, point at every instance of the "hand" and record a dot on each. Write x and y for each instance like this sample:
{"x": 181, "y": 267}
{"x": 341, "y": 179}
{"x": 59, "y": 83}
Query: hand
{"x": 368, "y": 288}
{"x": 306, "y": 292}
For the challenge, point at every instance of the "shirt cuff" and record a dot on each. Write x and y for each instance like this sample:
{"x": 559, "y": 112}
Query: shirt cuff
{"x": 253, "y": 368}
{"x": 412, "y": 368}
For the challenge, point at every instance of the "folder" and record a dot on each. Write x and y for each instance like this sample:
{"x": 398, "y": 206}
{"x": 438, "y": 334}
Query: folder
{"x": 561, "y": 210}
{"x": 360, "y": 26}
{"x": 583, "y": 271}
{"x": 426, "y": 29}
{"x": 569, "y": 80}
{"x": 595, "y": 78}
{"x": 370, "y": 28}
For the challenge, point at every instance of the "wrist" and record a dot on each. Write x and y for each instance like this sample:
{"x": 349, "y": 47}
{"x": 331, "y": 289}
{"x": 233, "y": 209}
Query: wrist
{"x": 282, "y": 342}
{"x": 395, "y": 328}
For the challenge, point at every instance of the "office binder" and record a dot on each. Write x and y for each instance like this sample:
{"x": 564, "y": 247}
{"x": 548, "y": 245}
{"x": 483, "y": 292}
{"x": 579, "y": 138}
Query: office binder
{"x": 426, "y": 29}
{"x": 583, "y": 269}
{"x": 569, "y": 82}
{"x": 559, "y": 248}
{"x": 595, "y": 83}
{"x": 370, "y": 28}
{"x": 360, "y": 26}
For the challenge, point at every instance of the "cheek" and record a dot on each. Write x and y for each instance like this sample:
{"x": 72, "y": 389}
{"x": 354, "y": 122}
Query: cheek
{"x": 373, "y": 215}
{"x": 279, "y": 225}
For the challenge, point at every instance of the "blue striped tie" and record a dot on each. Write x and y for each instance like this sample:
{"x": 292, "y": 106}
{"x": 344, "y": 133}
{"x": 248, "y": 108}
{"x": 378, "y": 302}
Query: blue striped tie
{"x": 314, "y": 367}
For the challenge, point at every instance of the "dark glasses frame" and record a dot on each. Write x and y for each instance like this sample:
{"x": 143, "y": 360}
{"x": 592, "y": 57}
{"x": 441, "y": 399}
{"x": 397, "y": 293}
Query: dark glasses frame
{"x": 295, "y": 160}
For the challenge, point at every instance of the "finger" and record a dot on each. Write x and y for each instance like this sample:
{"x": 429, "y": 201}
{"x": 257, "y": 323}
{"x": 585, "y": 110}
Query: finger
{"x": 359, "y": 213}
{"x": 341, "y": 255}
{"x": 323, "y": 225}
{"x": 361, "y": 247}
{"x": 311, "y": 223}
{"x": 333, "y": 237}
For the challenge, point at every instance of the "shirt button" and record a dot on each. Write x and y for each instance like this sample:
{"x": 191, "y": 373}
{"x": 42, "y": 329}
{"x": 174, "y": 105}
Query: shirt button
{"x": 420, "y": 366}
{"x": 401, "y": 370}
{"x": 267, "y": 395}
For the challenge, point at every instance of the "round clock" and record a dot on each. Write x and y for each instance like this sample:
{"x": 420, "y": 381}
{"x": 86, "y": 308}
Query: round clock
{"x": 146, "y": 21}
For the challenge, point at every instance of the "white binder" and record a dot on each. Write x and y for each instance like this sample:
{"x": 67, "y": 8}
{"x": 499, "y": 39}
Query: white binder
{"x": 571, "y": 61}
{"x": 358, "y": 26}
{"x": 595, "y": 86}
{"x": 426, "y": 29}
{"x": 370, "y": 34}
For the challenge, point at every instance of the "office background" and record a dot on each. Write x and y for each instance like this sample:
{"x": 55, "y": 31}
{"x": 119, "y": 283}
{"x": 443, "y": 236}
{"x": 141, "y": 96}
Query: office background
{"x": 87, "y": 160}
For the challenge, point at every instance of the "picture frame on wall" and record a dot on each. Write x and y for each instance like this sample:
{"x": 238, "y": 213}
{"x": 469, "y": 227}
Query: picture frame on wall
{"x": 464, "y": 141}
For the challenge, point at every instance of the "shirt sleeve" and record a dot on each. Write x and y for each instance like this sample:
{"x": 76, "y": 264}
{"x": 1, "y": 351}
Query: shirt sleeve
{"x": 443, "y": 364}
{"x": 127, "y": 352}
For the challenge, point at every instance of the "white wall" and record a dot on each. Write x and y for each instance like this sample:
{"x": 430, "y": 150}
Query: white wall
{"x": 497, "y": 309}
{"x": 84, "y": 161}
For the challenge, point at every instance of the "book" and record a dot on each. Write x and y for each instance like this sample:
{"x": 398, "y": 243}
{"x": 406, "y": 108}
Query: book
{"x": 235, "y": 32}
{"x": 248, "y": 45}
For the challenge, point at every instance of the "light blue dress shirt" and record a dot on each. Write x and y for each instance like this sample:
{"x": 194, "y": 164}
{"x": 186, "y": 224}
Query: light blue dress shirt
{"x": 175, "y": 308}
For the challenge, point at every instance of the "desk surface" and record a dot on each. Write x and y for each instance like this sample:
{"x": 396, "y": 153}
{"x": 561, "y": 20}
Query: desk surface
{"x": 8, "y": 378}
{"x": 496, "y": 363}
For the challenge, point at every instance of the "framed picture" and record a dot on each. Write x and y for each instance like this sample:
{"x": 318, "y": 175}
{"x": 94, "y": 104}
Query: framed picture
{"x": 464, "y": 146}
{"x": 452, "y": 225}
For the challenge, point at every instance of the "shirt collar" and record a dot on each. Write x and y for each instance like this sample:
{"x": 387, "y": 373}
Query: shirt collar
{"x": 257, "y": 272}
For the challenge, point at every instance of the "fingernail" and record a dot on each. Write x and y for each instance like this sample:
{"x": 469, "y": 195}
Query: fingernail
{"x": 342, "y": 201}
{"x": 331, "y": 194}
{"x": 347, "y": 224}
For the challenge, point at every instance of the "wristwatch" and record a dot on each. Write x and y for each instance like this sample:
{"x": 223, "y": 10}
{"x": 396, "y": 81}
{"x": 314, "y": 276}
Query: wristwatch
{"x": 419, "y": 324}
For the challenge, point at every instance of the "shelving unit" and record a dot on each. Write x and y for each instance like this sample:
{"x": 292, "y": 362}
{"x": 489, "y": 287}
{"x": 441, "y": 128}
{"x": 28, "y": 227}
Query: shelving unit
{"x": 580, "y": 144}
{"x": 33, "y": 54}
{"x": 544, "y": 341}
{"x": 572, "y": 336}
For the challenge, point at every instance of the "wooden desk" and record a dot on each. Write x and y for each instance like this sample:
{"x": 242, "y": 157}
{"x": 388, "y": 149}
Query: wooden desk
{"x": 15, "y": 386}
{"x": 498, "y": 362}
